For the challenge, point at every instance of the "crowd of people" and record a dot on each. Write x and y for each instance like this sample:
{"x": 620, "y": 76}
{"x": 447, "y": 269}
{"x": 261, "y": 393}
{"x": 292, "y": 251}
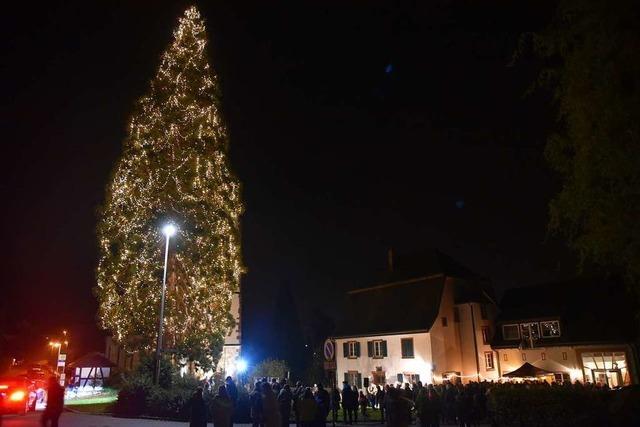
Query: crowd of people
{"x": 275, "y": 403}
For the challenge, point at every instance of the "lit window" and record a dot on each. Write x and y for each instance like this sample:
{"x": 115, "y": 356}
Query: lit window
{"x": 564, "y": 355}
{"x": 510, "y": 332}
{"x": 543, "y": 356}
{"x": 378, "y": 349}
{"x": 530, "y": 333}
{"x": 505, "y": 357}
{"x": 488, "y": 360}
{"x": 407, "y": 348}
{"x": 550, "y": 329}
{"x": 353, "y": 349}
{"x": 486, "y": 335}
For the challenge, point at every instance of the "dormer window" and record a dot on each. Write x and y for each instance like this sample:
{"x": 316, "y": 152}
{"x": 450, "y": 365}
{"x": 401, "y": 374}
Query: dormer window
{"x": 550, "y": 329}
{"x": 511, "y": 332}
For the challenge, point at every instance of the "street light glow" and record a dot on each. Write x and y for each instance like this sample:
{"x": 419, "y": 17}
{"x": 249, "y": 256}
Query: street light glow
{"x": 169, "y": 230}
{"x": 241, "y": 366}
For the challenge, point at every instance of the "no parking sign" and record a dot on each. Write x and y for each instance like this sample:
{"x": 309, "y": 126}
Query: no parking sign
{"x": 329, "y": 350}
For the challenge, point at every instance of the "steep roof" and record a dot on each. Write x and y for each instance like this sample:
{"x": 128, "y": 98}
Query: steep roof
{"x": 408, "y": 298}
{"x": 590, "y": 310}
{"x": 381, "y": 310}
{"x": 91, "y": 360}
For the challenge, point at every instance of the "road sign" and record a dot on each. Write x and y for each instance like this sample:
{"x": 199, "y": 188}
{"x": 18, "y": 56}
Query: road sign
{"x": 329, "y": 350}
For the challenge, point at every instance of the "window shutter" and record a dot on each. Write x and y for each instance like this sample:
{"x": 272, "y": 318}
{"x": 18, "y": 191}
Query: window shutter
{"x": 359, "y": 380}
{"x": 345, "y": 349}
{"x": 383, "y": 345}
{"x": 370, "y": 348}
{"x": 366, "y": 382}
{"x": 357, "y": 349}
{"x": 346, "y": 377}
{"x": 399, "y": 376}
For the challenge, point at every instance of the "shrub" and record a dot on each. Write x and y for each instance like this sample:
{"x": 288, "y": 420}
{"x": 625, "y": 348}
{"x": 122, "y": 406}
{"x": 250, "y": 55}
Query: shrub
{"x": 548, "y": 406}
{"x": 132, "y": 397}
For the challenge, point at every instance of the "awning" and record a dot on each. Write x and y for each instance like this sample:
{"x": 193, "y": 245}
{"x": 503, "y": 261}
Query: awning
{"x": 528, "y": 371}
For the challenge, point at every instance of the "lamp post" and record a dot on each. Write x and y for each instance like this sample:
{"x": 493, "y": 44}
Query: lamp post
{"x": 168, "y": 231}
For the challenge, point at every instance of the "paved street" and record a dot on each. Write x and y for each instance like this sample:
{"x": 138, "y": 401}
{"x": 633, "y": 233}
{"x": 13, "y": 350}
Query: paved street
{"x": 69, "y": 419}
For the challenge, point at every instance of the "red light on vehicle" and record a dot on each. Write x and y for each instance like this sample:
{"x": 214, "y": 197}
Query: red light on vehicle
{"x": 17, "y": 396}
{"x": 3, "y": 386}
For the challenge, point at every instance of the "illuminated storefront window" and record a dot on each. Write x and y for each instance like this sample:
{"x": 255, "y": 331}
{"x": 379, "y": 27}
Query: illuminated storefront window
{"x": 608, "y": 368}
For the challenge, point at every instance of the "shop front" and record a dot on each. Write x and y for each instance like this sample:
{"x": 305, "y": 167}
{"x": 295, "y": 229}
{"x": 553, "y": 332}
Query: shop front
{"x": 606, "y": 367}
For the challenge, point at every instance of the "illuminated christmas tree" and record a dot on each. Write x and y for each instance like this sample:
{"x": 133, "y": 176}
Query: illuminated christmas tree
{"x": 174, "y": 167}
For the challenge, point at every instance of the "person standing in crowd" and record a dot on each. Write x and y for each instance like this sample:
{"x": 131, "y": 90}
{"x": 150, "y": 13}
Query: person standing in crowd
{"x": 284, "y": 402}
{"x": 198, "y": 410}
{"x": 322, "y": 402}
{"x": 270, "y": 408}
{"x": 464, "y": 407}
{"x": 363, "y": 403}
{"x": 232, "y": 392}
{"x": 308, "y": 408}
{"x": 275, "y": 385}
{"x": 346, "y": 403}
{"x": 298, "y": 392}
{"x": 222, "y": 408}
{"x": 335, "y": 403}
{"x": 354, "y": 403}
{"x": 55, "y": 403}
{"x": 382, "y": 391}
{"x": 255, "y": 406}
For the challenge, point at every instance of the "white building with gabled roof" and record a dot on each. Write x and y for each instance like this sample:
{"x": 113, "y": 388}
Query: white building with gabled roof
{"x": 430, "y": 322}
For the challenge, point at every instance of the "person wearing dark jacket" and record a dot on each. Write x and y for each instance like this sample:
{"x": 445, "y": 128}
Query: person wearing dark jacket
{"x": 322, "y": 400}
{"x": 222, "y": 408}
{"x": 55, "y": 403}
{"x": 347, "y": 397}
{"x": 354, "y": 404}
{"x": 382, "y": 391}
{"x": 232, "y": 392}
{"x": 198, "y": 410}
{"x": 255, "y": 406}
{"x": 335, "y": 403}
{"x": 284, "y": 403}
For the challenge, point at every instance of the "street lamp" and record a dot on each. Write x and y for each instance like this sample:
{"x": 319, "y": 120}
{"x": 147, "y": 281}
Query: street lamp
{"x": 58, "y": 345}
{"x": 168, "y": 231}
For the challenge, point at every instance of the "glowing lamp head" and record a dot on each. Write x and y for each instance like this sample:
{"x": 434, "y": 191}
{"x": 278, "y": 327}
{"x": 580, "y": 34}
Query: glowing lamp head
{"x": 169, "y": 230}
{"x": 241, "y": 366}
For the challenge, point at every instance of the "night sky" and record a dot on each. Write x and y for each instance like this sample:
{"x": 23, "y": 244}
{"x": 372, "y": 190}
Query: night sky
{"x": 355, "y": 127}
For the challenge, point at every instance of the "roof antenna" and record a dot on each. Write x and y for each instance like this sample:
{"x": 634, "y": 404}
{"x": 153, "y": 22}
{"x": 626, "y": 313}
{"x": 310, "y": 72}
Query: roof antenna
{"x": 390, "y": 260}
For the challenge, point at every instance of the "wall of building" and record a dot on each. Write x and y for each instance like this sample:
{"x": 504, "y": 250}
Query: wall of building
{"x": 445, "y": 340}
{"x": 559, "y": 359}
{"x": 393, "y": 364}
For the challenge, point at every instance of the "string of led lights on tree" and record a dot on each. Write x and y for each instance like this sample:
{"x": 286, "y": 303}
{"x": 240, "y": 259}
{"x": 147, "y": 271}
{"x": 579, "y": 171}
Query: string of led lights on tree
{"x": 174, "y": 167}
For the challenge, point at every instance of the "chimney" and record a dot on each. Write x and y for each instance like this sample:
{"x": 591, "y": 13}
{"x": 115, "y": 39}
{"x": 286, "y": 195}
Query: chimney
{"x": 390, "y": 260}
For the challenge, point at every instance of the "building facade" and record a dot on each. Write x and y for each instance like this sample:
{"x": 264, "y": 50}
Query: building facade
{"x": 550, "y": 327}
{"x": 444, "y": 332}
{"x": 231, "y": 348}
{"x": 445, "y": 325}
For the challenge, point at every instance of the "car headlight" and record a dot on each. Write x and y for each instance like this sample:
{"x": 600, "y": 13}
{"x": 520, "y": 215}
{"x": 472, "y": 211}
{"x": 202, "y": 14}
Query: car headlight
{"x": 17, "y": 396}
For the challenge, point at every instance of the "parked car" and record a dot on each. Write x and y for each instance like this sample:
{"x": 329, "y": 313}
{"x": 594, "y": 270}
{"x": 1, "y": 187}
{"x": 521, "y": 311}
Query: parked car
{"x": 17, "y": 395}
